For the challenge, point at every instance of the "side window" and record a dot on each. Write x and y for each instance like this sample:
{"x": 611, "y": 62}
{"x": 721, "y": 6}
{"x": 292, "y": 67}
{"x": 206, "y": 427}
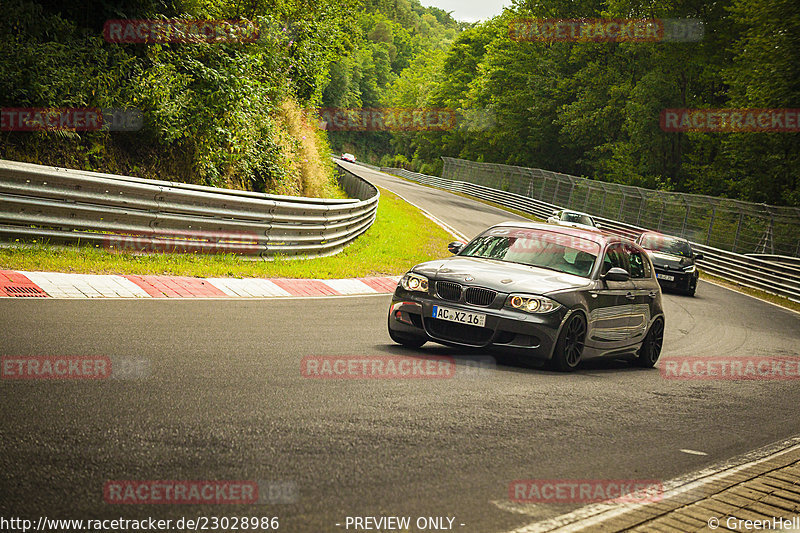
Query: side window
{"x": 615, "y": 257}
{"x": 639, "y": 264}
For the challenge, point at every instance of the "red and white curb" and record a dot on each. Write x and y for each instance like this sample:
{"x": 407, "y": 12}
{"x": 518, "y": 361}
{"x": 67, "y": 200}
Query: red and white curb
{"x": 59, "y": 285}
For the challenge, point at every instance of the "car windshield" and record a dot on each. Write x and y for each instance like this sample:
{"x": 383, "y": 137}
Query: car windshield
{"x": 555, "y": 251}
{"x": 577, "y": 218}
{"x": 668, "y": 245}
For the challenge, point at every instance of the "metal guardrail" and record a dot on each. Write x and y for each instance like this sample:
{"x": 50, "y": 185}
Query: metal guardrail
{"x": 780, "y": 259}
{"x": 126, "y": 213}
{"x": 755, "y": 272}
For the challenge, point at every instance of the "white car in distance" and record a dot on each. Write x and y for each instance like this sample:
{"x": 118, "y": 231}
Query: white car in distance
{"x": 575, "y": 219}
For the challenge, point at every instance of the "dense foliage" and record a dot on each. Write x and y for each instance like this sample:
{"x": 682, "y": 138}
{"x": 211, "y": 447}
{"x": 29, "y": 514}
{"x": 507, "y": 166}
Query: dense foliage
{"x": 242, "y": 114}
{"x": 215, "y": 113}
{"x": 593, "y": 109}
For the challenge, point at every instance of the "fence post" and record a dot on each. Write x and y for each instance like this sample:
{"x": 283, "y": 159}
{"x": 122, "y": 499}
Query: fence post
{"x": 544, "y": 183}
{"x": 685, "y": 219}
{"x": 571, "y": 190}
{"x": 641, "y": 206}
{"x": 738, "y": 229}
{"x": 555, "y": 191}
{"x": 711, "y": 225}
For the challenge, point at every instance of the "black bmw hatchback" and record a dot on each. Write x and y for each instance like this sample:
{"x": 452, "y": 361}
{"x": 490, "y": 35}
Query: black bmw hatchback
{"x": 673, "y": 260}
{"x": 538, "y": 291}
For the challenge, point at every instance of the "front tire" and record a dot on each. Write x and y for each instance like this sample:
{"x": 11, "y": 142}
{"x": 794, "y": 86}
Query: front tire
{"x": 569, "y": 347}
{"x": 650, "y": 350}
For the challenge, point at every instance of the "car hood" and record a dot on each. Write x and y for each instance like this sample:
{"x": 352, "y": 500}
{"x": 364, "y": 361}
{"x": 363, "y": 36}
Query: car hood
{"x": 676, "y": 262}
{"x": 499, "y": 275}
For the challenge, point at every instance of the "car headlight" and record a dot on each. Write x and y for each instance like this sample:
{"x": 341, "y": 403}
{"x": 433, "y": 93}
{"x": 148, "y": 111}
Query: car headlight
{"x": 414, "y": 282}
{"x": 531, "y": 304}
{"x": 690, "y": 269}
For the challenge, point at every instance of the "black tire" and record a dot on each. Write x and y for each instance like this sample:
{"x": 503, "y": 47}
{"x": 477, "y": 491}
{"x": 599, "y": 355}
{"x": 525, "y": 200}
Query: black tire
{"x": 691, "y": 289}
{"x": 650, "y": 350}
{"x": 409, "y": 341}
{"x": 569, "y": 347}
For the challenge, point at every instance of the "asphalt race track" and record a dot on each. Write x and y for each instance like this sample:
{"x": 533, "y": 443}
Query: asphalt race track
{"x": 224, "y": 399}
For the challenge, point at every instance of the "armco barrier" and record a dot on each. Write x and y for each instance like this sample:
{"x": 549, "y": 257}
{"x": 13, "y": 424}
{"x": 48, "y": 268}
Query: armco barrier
{"x": 71, "y": 206}
{"x": 749, "y": 271}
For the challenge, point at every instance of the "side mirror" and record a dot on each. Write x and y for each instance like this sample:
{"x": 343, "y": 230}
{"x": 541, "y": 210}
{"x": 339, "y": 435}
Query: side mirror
{"x": 598, "y": 226}
{"x": 616, "y": 274}
{"x": 698, "y": 256}
{"x": 556, "y": 213}
{"x": 455, "y": 247}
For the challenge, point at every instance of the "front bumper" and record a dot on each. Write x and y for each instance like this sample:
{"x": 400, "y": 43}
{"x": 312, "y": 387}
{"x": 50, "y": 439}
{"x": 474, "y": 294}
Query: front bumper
{"x": 684, "y": 281}
{"x": 533, "y": 335}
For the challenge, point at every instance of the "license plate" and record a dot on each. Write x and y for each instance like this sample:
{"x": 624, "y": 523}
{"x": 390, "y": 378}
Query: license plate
{"x": 461, "y": 317}
{"x": 665, "y": 277}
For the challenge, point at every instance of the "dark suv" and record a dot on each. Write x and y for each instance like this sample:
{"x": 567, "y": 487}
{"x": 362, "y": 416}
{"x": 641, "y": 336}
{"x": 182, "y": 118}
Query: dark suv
{"x": 673, "y": 260}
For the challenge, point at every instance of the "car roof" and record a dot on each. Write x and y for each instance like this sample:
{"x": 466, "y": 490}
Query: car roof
{"x": 663, "y": 235}
{"x": 588, "y": 234}
{"x": 576, "y": 212}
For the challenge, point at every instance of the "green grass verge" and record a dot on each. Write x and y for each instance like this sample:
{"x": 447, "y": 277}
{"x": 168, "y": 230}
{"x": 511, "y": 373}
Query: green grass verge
{"x": 400, "y": 238}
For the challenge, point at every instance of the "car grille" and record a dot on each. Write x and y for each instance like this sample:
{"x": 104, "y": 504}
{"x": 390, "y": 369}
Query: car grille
{"x": 482, "y": 297}
{"x": 451, "y": 331}
{"x": 448, "y": 290}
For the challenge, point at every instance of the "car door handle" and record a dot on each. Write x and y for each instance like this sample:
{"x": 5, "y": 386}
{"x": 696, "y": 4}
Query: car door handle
{"x": 652, "y": 294}
{"x": 630, "y": 296}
